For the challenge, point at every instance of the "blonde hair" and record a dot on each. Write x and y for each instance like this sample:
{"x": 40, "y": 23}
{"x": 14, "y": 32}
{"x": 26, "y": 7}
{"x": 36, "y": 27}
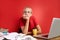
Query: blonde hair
{"x": 27, "y": 7}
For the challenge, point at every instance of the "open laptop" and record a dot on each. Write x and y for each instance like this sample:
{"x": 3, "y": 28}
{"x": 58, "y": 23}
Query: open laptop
{"x": 54, "y": 30}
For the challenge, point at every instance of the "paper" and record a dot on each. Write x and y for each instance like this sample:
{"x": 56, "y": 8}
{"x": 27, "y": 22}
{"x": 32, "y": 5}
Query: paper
{"x": 16, "y": 36}
{"x": 1, "y": 36}
{"x": 11, "y": 36}
{"x": 27, "y": 37}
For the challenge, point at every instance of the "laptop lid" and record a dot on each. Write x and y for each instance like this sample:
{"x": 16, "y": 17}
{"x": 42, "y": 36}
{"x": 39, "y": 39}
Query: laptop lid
{"x": 55, "y": 28}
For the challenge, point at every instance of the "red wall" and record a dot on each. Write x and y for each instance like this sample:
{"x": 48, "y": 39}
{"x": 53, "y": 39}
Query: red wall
{"x": 43, "y": 10}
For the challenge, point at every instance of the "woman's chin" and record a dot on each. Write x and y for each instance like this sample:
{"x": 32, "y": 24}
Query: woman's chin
{"x": 24, "y": 18}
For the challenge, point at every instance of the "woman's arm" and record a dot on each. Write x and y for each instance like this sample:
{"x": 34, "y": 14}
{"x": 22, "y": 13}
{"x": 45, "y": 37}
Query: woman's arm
{"x": 39, "y": 29}
{"x": 25, "y": 28}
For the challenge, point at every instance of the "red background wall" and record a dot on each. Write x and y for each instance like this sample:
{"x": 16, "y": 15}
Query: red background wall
{"x": 43, "y": 10}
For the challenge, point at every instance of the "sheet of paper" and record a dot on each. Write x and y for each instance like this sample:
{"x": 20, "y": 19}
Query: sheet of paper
{"x": 1, "y": 36}
{"x": 11, "y": 36}
{"x": 27, "y": 37}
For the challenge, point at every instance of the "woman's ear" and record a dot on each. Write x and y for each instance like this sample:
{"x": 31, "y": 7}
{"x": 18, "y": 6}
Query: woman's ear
{"x": 31, "y": 14}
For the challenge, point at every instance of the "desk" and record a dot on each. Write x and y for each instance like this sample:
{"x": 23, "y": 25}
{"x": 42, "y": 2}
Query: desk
{"x": 56, "y": 38}
{"x": 40, "y": 38}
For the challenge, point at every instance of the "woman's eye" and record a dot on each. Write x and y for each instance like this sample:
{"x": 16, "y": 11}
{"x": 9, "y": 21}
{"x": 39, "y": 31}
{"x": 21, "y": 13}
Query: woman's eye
{"x": 28, "y": 12}
{"x": 24, "y": 11}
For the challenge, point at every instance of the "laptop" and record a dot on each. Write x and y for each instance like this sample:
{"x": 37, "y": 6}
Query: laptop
{"x": 54, "y": 30}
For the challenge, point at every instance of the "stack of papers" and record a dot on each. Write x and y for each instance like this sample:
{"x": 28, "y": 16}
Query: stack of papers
{"x": 16, "y": 36}
{"x": 11, "y": 36}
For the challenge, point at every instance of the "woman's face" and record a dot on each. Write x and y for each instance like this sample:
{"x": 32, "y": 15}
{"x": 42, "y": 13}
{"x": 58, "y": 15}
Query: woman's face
{"x": 27, "y": 12}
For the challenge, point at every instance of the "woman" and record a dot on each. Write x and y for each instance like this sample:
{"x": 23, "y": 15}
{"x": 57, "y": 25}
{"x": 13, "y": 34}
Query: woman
{"x": 28, "y": 22}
